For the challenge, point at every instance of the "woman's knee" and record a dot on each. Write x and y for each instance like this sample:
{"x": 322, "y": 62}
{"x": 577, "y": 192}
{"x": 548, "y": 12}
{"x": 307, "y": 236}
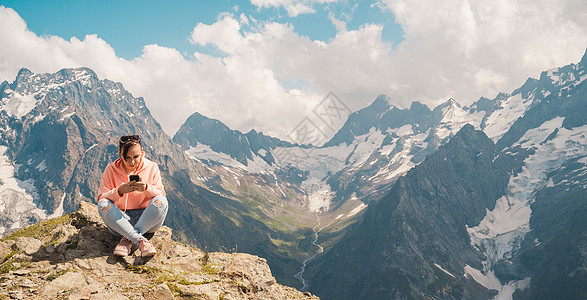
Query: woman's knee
{"x": 104, "y": 206}
{"x": 160, "y": 202}
{"x": 108, "y": 211}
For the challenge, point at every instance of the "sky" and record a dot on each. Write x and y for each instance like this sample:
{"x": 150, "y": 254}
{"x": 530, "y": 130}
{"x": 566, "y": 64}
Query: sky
{"x": 267, "y": 64}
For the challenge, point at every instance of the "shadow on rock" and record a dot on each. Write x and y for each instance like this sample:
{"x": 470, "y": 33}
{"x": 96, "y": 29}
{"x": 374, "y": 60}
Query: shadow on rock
{"x": 80, "y": 235}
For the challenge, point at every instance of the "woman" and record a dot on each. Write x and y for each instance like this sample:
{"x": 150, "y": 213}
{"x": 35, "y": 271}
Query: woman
{"x": 132, "y": 208}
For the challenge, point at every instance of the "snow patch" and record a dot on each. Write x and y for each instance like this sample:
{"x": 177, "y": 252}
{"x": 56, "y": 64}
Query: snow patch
{"x": 18, "y": 105}
{"x": 500, "y": 121}
{"x": 357, "y": 209}
{"x": 365, "y": 145}
{"x": 203, "y": 152}
{"x": 326, "y": 161}
{"x": 387, "y": 149}
{"x": 402, "y": 131}
{"x": 59, "y": 210}
{"x": 83, "y": 76}
{"x": 454, "y": 118}
{"x": 16, "y": 202}
{"x": 38, "y": 118}
{"x": 257, "y": 165}
{"x": 66, "y": 116}
{"x": 443, "y": 270}
{"x": 91, "y": 147}
{"x": 401, "y": 162}
{"x": 42, "y": 166}
{"x": 319, "y": 195}
{"x": 488, "y": 280}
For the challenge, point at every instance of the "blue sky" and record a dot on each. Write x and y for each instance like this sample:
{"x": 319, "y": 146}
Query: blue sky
{"x": 266, "y": 64}
{"x": 130, "y": 25}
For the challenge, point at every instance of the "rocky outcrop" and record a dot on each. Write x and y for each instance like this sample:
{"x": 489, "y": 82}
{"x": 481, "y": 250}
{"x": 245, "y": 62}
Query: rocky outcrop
{"x": 70, "y": 257}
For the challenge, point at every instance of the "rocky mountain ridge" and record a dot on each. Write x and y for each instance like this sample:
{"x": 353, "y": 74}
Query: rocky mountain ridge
{"x": 70, "y": 257}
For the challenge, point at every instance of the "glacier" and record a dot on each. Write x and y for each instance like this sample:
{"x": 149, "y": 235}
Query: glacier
{"x": 502, "y": 230}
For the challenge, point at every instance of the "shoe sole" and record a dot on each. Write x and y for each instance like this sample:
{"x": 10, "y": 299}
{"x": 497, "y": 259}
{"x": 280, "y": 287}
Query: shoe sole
{"x": 149, "y": 254}
{"x": 120, "y": 253}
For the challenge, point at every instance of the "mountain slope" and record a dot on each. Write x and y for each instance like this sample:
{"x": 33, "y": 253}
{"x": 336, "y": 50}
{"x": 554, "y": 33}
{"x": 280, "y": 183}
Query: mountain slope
{"x": 404, "y": 240}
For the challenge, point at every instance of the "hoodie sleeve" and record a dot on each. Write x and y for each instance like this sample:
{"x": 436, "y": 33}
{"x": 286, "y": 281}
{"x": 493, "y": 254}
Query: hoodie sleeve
{"x": 155, "y": 185}
{"x": 108, "y": 189}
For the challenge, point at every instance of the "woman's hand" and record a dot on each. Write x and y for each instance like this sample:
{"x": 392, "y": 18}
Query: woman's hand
{"x": 132, "y": 186}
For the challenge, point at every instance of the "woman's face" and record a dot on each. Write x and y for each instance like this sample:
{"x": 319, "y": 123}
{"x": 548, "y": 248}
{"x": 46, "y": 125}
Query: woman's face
{"x": 133, "y": 157}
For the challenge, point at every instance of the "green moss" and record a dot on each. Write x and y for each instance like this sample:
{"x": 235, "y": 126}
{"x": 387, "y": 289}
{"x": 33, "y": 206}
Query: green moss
{"x": 205, "y": 258}
{"x": 157, "y": 275}
{"x": 140, "y": 269}
{"x": 209, "y": 269}
{"x": 39, "y": 230}
{"x": 7, "y": 263}
{"x": 53, "y": 276}
{"x": 175, "y": 290}
{"x": 9, "y": 256}
{"x": 166, "y": 277}
{"x": 184, "y": 281}
{"x": 13, "y": 288}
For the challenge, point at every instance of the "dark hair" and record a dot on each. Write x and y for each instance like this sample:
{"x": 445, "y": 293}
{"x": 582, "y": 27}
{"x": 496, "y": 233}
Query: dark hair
{"x": 126, "y": 142}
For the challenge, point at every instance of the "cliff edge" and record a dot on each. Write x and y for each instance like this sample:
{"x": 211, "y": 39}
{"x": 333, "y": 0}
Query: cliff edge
{"x": 70, "y": 257}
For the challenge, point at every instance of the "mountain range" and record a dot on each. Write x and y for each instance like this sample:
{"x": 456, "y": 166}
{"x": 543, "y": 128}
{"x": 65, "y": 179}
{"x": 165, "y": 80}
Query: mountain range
{"x": 484, "y": 201}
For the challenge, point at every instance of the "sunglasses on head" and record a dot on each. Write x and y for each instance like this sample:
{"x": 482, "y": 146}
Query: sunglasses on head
{"x": 129, "y": 138}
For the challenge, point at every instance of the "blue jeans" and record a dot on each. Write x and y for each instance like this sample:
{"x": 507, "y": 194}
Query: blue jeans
{"x": 136, "y": 222}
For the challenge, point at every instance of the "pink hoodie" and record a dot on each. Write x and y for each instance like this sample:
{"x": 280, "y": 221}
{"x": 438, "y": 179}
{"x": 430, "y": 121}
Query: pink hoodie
{"x": 114, "y": 175}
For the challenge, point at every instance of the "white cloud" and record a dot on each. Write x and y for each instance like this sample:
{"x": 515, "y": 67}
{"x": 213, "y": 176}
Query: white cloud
{"x": 224, "y": 34}
{"x": 270, "y": 77}
{"x": 293, "y": 7}
{"x": 296, "y": 9}
{"x": 471, "y": 48}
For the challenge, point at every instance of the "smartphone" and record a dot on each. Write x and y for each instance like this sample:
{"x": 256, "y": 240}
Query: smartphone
{"x": 134, "y": 178}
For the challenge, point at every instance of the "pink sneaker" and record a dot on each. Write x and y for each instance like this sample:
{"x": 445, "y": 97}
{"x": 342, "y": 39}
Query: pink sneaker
{"x": 123, "y": 247}
{"x": 147, "y": 249}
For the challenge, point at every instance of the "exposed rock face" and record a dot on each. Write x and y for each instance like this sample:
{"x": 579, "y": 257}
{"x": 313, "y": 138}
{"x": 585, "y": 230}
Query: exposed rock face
{"x": 199, "y": 129}
{"x": 70, "y": 257}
